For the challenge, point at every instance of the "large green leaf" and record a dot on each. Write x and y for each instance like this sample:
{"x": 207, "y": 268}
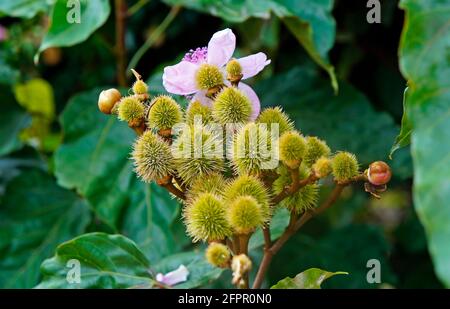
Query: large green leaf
{"x": 310, "y": 21}
{"x": 65, "y": 27}
{"x": 36, "y": 215}
{"x": 105, "y": 261}
{"x": 24, "y": 8}
{"x": 425, "y": 62}
{"x": 404, "y": 137}
{"x": 13, "y": 120}
{"x": 309, "y": 279}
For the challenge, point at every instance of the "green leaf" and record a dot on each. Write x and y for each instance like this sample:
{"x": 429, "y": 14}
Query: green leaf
{"x": 70, "y": 25}
{"x": 13, "y": 120}
{"x": 36, "y": 96}
{"x": 404, "y": 137}
{"x": 37, "y": 215}
{"x": 24, "y": 8}
{"x": 106, "y": 261}
{"x": 309, "y": 279}
{"x": 310, "y": 21}
{"x": 425, "y": 63}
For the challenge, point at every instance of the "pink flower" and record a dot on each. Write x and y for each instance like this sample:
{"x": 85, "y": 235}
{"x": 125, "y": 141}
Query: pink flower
{"x": 180, "y": 78}
{"x": 174, "y": 277}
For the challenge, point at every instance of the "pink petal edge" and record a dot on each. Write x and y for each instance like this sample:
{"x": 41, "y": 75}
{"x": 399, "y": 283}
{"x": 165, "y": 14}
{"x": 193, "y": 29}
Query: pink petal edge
{"x": 221, "y": 47}
{"x": 180, "y": 78}
{"x": 253, "y": 64}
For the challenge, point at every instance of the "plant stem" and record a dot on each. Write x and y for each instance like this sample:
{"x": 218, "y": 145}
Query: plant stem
{"x": 295, "y": 185}
{"x": 120, "y": 15}
{"x": 137, "y": 6}
{"x": 154, "y": 36}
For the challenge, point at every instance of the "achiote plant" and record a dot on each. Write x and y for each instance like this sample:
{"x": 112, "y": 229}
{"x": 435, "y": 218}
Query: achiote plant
{"x": 231, "y": 165}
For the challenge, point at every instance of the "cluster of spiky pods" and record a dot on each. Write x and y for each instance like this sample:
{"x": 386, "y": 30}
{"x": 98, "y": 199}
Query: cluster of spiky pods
{"x": 227, "y": 198}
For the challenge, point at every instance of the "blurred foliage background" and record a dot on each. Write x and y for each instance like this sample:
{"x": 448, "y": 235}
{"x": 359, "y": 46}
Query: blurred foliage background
{"x": 65, "y": 168}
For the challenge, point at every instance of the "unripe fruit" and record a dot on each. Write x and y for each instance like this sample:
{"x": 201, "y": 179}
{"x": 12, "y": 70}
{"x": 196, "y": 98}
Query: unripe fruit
{"x": 208, "y": 76}
{"x": 315, "y": 148}
{"x": 234, "y": 71}
{"x": 131, "y": 110}
{"x": 379, "y": 173}
{"x": 164, "y": 113}
{"x": 232, "y": 106}
{"x": 322, "y": 167}
{"x": 212, "y": 183}
{"x": 152, "y": 157}
{"x": 218, "y": 255}
{"x": 292, "y": 148}
{"x": 206, "y": 218}
{"x": 345, "y": 166}
{"x": 140, "y": 87}
{"x": 197, "y": 111}
{"x": 276, "y": 115}
{"x": 107, "y": 99}
{"x": 245, "y": 214}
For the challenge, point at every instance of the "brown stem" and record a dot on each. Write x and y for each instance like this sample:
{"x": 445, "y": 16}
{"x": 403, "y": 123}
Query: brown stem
{"x": 121, "y": 15}
{"x": 167, "y": 183}
{"x": 267, "y": 238}
{"x": 295, "y": 185}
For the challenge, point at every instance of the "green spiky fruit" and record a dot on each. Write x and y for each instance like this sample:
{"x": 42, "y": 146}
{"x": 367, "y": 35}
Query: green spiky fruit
{"x": 164, "y": 113}
{"x": 251, "y": 150}
{"x": 292, "y": 148}
{"x": 206, "y": 219}
{"x": 344, "y": 165}
{"x": 245, "y": 214}
{"x": 218, "y": 255}
{"x": 131, "y": 110}
{"x": 322, "y": 167}
{"x": 232, "y": 106}
{"x": 198, "y": 152}
{"x": 276, "y": 115}
{"x": 247, "y": 185}
{"x": 208, "y": 76}
{"x": 139, "y": 87}
{"x": 315, "y": 148}
{"x": 198, "y": 112}
{"x": 152, "y": 157}
{"x": 212, "y": 183}
{"x": 234, "y": 70}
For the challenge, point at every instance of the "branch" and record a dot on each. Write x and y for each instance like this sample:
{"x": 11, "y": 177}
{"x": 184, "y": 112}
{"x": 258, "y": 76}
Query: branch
{"x": 295, "y": 185}
{"x": 167, "y": 183}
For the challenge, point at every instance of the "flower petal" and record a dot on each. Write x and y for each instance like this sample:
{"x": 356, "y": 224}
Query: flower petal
{"x": 221, "y": 47}
{"x": 176, "y": 276}
{"x": 253, "y": 64}
{"x": 180, "y": 78}
{"x": 256, "y": 105}
{"x": 202, "y": 98}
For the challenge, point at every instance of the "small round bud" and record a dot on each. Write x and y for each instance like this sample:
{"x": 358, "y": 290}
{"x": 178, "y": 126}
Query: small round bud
{"x": 107, "y": 99}
{"x": 232, "y": 106}
{"x": 131, "y": 110}
{"x": 206, "y": 218}
{"x": 240, "y": 265}
{"x": 212, "y": 183}
{"x": 292, "y": 148}
{"x": 322, "y": 167}
{"x": 140, "y": 87}
{"x": 276, "y": 115}
{"x": 208, "y": 76}
{"x": 234, "y": 71}
{"x": 218, "y": 255}
{"x": 315, "y": 148}
{"x": 164, "y": 113}
{"x": 345, "y": 166}
{"x": 379, "y": 173}
{"x": 196, "y": 112}
{"x": 245, "y": 215}
{"x": 152, "y": 157}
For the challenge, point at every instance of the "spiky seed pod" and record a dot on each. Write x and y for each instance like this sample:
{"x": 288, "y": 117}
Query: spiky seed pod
{"x": 292, "y": 148}
{"x": 131, "y": 110}
{"x": 234, "y": 71}
{"x": 276, "y": 115}
{"x": 251, "y": 149}
{"x": 379, "y": 173}
{"x": 345, "y": 166}
{"x": 107, "y": 99}
{"x": 197, "y": 111}
{"x": 212, "y": 183}
{"x": 315, "y": 148}
{"x": 232, "y": 106}
{"x": 208, "y": 76}
{"x": 152, "y": 157}
{"x": 245, "y": 214}
{"x": 164, "y": 113}
{"x": 322, "y": 167}
{"x": 240, "y": 265}
{"x": 198, "y": 152}
{"x": 205, "y": 218}
{"x": 305, "y": 198}
{"x": 139, "y": 87}
{"x": 218, "y": 255}
{"x": 247, "y": 185}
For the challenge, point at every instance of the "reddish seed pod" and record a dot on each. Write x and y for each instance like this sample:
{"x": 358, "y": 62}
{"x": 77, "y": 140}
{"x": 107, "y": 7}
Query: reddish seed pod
{"x": 379, "y": 173}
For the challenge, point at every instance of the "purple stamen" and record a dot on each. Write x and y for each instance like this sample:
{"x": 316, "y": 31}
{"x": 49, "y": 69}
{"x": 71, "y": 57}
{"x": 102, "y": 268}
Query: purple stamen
{"x": 196, "y": 56}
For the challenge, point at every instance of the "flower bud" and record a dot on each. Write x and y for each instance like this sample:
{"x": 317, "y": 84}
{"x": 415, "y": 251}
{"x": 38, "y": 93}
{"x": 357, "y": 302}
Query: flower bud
{"x": 140, "y": 87}
{"x": 344, "y": 166}
{"x": 292, "y": 148}
{"x": 234, "y": 71}
{"x": 232, "y": 106}
{"x": 197, "y": 110}
{"x": 131, "y": 110}
{"x": 240, "y": 265}
{"x": 379, "y": 173}
{"x": 152, "y": 157}
{"x": 164, "y": 113}
{"x": 208, "y": 76}
{"x": 218, "y": 255}
{"x": 205, "y": 218}
{"x": 322, "y": 167}
{"x": 315, "y": 148}
{"x": 245, "y": 214}
{"x": 276, "y": 115}
{"x": 107, "y": 99}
